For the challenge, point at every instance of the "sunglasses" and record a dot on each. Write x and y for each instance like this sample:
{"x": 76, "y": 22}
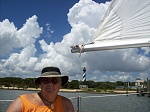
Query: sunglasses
{"x": 49, "y": 80}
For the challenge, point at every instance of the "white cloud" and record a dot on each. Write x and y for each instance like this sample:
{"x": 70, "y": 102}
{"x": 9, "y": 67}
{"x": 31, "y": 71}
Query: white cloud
{"x": 124, "y": 77}
{"x": 11, "y": 38}
{"x": 143, "y": 76}
{"x": 47, "y": 31}
{"x": 84, "y": 17}
{"x": 87, "y": 12}
{"x": 21, "y": 42}
{"x": 7, "y": 32}
{"x": 20, "y": 64}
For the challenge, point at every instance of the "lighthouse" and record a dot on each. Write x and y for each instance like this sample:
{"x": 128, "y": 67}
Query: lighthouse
{"x": 84, "y": 74}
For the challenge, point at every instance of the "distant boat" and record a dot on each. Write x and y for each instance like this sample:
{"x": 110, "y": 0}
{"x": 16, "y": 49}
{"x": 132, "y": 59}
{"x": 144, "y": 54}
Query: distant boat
{"x": 126, "y": 24}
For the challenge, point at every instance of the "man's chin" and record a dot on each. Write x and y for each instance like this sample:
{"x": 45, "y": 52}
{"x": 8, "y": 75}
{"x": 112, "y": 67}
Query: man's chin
{"x": 50, "y": 90}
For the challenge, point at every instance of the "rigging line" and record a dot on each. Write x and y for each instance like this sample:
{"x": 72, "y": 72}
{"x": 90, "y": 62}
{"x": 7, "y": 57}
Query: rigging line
{"x": 82, "y": 63}
{"x": 94, "y": 96}
{"x": 82, "y": 47}
{"x": 72, "y": 98}
{"x": 6, "y": 100}
{"x": 81, "y": 50}
{"x": 104, "y": 95}
{"x": 109, "y": 95}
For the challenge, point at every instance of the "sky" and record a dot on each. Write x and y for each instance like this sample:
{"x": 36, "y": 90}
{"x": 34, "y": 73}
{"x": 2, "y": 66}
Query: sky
{"x": 38, "y": 33}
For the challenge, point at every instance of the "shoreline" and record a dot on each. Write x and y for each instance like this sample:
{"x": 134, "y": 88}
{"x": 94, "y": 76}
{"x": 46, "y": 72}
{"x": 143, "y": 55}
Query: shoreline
{"x": 74, "y": 90}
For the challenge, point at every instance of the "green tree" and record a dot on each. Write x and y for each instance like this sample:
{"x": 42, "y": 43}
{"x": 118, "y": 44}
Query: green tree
{"x": 74, "y": 84}
{"x": 120, "y": 83}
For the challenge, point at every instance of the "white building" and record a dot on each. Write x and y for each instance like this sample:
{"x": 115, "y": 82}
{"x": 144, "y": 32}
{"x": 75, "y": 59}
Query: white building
{"x": 139, "y": 83}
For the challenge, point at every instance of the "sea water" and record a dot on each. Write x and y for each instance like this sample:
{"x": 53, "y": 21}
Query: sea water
{"x": 108, "y": 103}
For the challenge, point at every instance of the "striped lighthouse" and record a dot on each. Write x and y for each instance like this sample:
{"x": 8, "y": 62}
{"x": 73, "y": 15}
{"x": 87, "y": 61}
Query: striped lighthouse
{"x": 84, "y": 74}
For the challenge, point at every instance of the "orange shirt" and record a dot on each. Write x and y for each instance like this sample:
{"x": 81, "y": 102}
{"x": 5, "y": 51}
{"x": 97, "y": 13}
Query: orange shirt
{"x": 28, "y": 106}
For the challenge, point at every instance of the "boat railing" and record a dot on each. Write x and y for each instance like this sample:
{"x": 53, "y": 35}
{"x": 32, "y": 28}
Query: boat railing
{"x": 78, "y": 99}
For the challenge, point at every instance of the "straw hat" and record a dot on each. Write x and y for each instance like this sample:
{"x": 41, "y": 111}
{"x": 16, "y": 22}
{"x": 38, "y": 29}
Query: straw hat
{"x": 52, "y": 72}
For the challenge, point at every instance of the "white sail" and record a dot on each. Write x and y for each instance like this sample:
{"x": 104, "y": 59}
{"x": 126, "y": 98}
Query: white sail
{"x": 125, "y": 25}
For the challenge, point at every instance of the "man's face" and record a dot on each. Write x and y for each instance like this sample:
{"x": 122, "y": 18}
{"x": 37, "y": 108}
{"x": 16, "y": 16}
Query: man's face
{"x": 50, "y": 85}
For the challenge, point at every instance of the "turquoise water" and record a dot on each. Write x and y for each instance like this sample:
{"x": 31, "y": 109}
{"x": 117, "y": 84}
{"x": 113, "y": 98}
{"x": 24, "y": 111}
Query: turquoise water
{"x": 131, "y": 103}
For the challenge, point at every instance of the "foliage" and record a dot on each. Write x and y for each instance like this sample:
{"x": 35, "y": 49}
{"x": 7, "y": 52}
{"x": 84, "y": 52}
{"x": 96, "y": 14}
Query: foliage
{"x": 74, "y": 84}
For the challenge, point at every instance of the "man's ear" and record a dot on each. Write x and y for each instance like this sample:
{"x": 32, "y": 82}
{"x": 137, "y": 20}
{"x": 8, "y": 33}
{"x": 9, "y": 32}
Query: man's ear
{"x": 61, "y": 84}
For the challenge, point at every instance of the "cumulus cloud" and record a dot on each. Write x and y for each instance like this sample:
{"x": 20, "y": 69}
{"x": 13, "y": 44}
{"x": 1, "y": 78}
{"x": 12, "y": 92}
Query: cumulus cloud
{"x": 87, "y": 12}
{"x": 47, "y": 31}
{"x": 20, "y": 43}
{"x": 84, "y": 18}
{"x": 11, "y": 38}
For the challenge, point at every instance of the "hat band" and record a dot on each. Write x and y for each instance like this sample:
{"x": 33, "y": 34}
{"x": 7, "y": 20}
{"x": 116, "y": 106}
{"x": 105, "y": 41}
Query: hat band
{"x": 50, "y": 73}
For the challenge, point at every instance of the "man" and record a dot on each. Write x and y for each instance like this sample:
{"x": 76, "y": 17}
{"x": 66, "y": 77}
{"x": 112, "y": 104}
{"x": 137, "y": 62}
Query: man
{"x": 47, "y": 100}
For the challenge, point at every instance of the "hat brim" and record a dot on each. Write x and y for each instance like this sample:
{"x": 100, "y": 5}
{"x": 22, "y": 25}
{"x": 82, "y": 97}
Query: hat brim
{"x": 63, "y": 78}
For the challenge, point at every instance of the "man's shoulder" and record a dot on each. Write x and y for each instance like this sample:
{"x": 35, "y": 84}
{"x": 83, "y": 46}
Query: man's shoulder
{"x": 67, "y": 104}
{"x": 29, "y": 95}
{"x": 64, "y": 99}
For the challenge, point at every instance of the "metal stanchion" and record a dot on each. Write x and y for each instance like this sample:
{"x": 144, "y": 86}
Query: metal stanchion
{"x": 79, "y": 104}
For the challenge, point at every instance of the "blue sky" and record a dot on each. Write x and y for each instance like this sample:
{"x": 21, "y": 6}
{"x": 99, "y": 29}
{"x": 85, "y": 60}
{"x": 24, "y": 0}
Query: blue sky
{"x": 39, "y": 33}
{"x": 53, "y": 12}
